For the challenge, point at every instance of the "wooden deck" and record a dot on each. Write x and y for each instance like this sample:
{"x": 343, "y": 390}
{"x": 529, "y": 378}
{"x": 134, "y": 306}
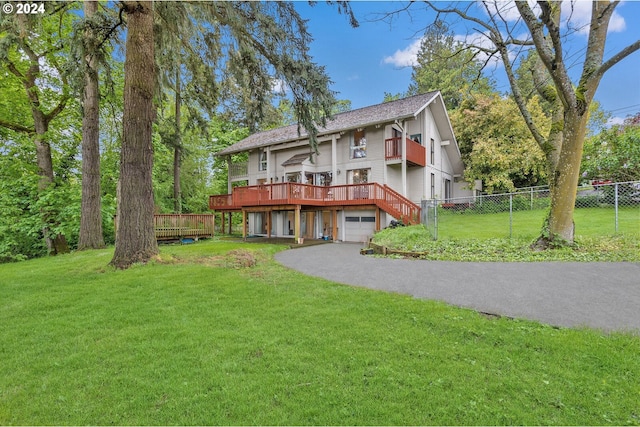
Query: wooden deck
{"x": 181, "y": 226}
{"x": 294, "y": 194}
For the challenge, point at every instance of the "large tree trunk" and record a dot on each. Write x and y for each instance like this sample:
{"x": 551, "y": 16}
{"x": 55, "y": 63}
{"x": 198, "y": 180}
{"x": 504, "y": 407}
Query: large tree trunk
{"x": 56, "y": 242}
{"x": 91, "y": 236}
{"x": 177, "y": 150}
{"x": 135, "y": 237}
{"x": 564, "y": 183}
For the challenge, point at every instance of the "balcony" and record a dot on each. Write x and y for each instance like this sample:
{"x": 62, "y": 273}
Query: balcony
{"x": 239, "y": 170}
{"x": 416, "y": 153}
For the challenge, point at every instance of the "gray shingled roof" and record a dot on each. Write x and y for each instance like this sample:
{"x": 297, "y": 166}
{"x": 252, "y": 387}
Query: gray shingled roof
{"x": 361, "y": 117}
{"x": 296, "y": 160}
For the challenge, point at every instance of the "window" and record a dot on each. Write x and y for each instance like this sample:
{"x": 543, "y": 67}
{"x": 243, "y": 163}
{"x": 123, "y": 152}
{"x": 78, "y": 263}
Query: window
{"x": 293, "y": 177}
{"x": 433, "y": 185}
{"x": 359, "y": 176}
{"x": 262, "y": 165}
{"x": 417, "y": 138}
{"x": 359, "y": 147}
{"x": 447, "y": 189}
{"x": 433, "y": 152}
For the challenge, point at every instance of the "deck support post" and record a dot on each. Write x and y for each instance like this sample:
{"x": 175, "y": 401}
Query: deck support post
{"x": 230, "y": 223}
{"x": 244, "y": 224}
{"x": 296, "y": 225}
{"x": 269, "y": 224}
{"x": 377, "y": 218}
{"x": 334, "y": 235}
{"x": 221, "y": 223}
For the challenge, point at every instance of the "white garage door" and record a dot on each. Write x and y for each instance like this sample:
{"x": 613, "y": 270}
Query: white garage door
{"x": 359, "y": 226}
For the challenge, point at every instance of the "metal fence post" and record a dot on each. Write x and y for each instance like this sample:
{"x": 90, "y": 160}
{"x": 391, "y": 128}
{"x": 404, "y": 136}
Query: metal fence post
{"x": 510, "y": 215}
{"x": 531, "y": 204}
{"x": 435, "y": 220}
{"x": 615, "y": 204}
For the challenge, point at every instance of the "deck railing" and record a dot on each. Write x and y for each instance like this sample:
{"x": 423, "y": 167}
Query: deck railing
{"x": 416, "y": 153}
{"x": 312, "y": 195}
{"x": 178, "y": 226}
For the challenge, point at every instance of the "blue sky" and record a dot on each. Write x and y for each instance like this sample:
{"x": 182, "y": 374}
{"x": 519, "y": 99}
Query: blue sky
{"x": 367, "y": 61}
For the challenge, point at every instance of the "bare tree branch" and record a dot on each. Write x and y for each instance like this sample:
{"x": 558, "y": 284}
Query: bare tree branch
{"x": 635, "y": 46}
{"x": 600, "y": 15}
{"x": 551, "y": 57}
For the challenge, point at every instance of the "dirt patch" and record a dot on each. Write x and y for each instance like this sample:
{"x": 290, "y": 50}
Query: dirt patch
{"x": 241, "y": 258}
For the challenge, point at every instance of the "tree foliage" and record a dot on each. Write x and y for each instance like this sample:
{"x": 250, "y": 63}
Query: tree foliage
{"x": 447, "y": 65}
{"x": 33, "y": 55}
{"x": 499, "y": 149}
{"x": 614, "y": 154}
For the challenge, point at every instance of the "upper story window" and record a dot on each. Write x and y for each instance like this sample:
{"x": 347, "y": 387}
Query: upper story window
{"x": 432, "y": 152}
{"x": 416, "y": 138}
{"x": 262, "y": 165}
{"x": 359, "y": 147}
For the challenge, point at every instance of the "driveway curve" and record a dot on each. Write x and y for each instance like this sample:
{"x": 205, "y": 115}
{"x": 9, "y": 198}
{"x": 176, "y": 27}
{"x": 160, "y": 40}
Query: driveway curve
{"x": 599, "y": 295}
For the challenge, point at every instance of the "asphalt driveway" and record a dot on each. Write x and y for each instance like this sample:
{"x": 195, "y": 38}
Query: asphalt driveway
{"x": 599, "y": 295}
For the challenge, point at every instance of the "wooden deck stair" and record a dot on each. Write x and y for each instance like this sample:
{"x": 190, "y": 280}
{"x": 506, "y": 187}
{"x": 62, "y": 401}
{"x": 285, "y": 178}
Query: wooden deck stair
{"x": 399, "y": 207}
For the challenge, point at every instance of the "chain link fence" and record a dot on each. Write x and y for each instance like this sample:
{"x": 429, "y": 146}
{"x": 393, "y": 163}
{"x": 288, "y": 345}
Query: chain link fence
{"x": 602, "y": 209}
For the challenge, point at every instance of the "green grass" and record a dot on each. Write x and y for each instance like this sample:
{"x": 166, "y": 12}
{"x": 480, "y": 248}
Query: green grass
{"x": 590, "y": 222}
{"x": 586, "y": 249}
{"x": 218, "y": 333}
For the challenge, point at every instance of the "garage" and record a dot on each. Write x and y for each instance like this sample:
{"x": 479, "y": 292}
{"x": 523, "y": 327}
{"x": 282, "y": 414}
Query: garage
{"x": 359, "y": 226}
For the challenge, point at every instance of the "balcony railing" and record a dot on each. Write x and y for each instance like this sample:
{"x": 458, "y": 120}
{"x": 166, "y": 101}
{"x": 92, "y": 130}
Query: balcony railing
{"x": 416, "y": 153}
{"x": 239, "y": 170}
{"x": 311, "y": 195}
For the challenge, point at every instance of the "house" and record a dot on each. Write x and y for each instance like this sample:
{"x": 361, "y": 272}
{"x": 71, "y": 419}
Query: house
{"x": 375, "y": 165}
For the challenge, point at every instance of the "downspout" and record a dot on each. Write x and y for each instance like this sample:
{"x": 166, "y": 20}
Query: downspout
{"x": 404, "y": 159}
{"x": 428, "y": 131}
{"x": 229, "y": 188}
{"x": 269, "y": 177}
{"x": 385, "y": 179}
{"x": 334, "y": 160}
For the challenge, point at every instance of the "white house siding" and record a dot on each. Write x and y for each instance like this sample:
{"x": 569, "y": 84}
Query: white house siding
{"x": 415, "y": 184}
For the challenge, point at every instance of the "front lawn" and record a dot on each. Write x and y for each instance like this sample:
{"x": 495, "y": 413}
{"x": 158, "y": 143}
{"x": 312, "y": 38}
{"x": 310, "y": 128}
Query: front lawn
{"x": 218, "y": 333}
{"x": 526, "y": 224}
{"x": 417, "y": 239}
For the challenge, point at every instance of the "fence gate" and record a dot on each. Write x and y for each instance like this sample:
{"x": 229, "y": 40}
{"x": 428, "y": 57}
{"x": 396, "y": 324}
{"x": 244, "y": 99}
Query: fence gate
{"x": 430, "y": 217}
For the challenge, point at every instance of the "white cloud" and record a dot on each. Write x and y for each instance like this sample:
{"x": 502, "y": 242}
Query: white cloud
{"x": 615, "y": 121}
{"x": 407, "y": 57}
{"x": 617, "y": 24}
{"x": 575, "y": 12}
{"x": 577, "y": 15}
